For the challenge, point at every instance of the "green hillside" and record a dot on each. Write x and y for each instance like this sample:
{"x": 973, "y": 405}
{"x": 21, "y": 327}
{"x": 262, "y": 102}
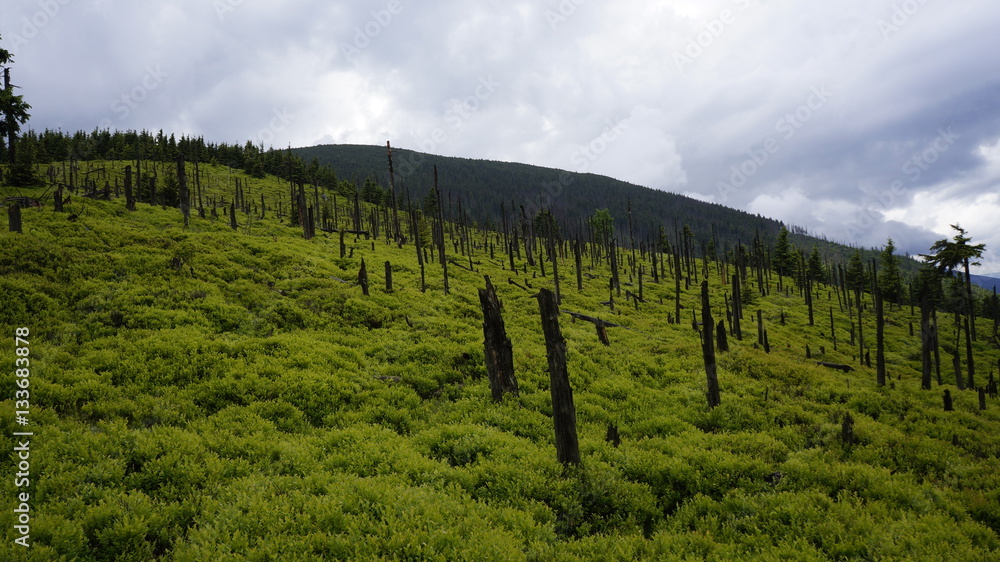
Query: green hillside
{"x": 210, "y": 393}
{"x": 484, "y": 184}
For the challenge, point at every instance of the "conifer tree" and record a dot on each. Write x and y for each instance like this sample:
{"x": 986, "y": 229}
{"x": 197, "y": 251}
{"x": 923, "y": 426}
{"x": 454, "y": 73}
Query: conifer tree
{"x": 784, "y": 254}
{"x": 890, "y": 280}
{"x": 14, "y": 108}
{"x": 815, "y": 267}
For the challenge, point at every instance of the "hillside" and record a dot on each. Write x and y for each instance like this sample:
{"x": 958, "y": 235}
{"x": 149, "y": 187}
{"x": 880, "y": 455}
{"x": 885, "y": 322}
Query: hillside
{"x": 484, "y": 184}
{"x": 205, "y": 392}
{"x": 990, "y": 283}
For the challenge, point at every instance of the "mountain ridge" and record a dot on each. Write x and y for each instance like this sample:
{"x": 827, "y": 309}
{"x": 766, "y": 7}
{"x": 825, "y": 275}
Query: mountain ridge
{"x": 535, "y": 187}
{"x": 484, "y": 185}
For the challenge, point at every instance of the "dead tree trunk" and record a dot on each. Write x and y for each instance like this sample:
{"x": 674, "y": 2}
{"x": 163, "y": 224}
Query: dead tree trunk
{"x": 129, "y": 195}
{"x": 496, "y": 345}
{"x": 563, "y": 410}
{"x": 879, "y": 338}
{"x": 971, "y": 366}
{"x": 833, "y": 330}
{"x": 677, "y": 287}
{"x": 708, "y": 347}
{"x": 737, "y": 307}
{"x": 553, "y": 255}
{"x": 388, "y": 277}
{"x": 602, "y": 334}
{"x": 14, "y": 218}
{"x": 760, "y": 327}
{"x": 183, "y": 184}
{"x": 440, "y": 229}
{"x": 926, "y": 340}
{"x": 579, "y": 265}
{"x": 392, "y": 191}
{"x": 363, "y": 278}
{"x": 720, "y": 332}
{"x": 861, "y": 327}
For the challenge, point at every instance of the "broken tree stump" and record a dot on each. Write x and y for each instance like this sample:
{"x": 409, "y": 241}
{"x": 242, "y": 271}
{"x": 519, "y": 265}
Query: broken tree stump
{"x": 563, "y": 410}
{"x": 721, "y": 339}
{"x": 14, "y": 218}
{"x": 363, "y": 277}
{"x": 496, "y": 345}
{"x": 613, "y": 436}
{"x": 708, "y": 348}
{"x": 847, "y": 430}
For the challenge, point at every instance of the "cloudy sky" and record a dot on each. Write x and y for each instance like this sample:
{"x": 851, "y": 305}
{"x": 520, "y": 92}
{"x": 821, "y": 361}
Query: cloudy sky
{"x": 857, "y": 119}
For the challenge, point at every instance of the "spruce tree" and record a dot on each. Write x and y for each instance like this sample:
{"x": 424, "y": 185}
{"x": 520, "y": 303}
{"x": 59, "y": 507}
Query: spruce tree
{"x": 890, "y": 280}
{"x": 15, "y": 110}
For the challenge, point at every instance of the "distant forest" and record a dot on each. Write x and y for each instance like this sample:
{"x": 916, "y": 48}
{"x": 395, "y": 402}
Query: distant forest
{"x": 480, "y": 189}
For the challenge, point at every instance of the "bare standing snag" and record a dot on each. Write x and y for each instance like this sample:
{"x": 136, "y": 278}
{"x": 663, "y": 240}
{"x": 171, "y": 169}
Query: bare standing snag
{"x": 563, "y": 410}
{"x": 496, "y": 345}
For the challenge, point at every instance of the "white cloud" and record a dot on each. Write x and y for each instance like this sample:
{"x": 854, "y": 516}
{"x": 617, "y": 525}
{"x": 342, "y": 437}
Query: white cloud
{"x": 560, "y": 81}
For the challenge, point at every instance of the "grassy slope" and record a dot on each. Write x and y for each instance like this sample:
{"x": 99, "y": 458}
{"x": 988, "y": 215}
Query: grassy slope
{"x": 203, "y": 394}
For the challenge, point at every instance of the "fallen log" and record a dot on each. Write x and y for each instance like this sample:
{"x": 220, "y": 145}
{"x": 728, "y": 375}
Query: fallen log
{"x": 845, "y": 368}
{"x": 592, "y": 319}
{"x": 515, "y": 283}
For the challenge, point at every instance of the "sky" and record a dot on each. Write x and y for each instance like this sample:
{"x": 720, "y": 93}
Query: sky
{"x": 858, "y": 120}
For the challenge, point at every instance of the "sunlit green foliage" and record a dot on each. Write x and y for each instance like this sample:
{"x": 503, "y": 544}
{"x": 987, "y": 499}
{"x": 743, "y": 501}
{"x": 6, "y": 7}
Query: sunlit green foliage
{"x": 207, "y": 394}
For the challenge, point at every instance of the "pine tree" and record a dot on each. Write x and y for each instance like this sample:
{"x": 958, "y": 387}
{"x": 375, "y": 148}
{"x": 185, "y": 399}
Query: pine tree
{"x": 372, "y": 192}
{"x": 784, "y": 254}
{"x": 815, "y": 267}
{"x": 856, "y": 277}
{"x": 890, "y": 280}
{"x": 603, "y": 225}
{"x": 14, "y": 109}
{"x": 22, "y": 173}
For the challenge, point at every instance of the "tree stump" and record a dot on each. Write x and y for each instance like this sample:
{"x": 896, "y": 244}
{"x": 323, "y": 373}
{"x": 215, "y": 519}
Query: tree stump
{"x": 602, "y": 334}
{"x": 708, "y": 348}
{"x": 563, "y": 409}
{"x": 14, "y": 218}
{"x": 497, "y": 348}
{"x": 613, "y": 436}
{"x": 363, "y": 277}
{"x": 720, "y": 334}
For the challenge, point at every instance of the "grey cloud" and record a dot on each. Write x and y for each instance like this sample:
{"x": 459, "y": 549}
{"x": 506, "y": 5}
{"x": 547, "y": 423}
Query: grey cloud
{"x": 409, "y": 71}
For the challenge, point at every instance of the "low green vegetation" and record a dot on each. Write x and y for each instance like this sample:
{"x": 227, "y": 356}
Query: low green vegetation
{"x": 202, "y": 393}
